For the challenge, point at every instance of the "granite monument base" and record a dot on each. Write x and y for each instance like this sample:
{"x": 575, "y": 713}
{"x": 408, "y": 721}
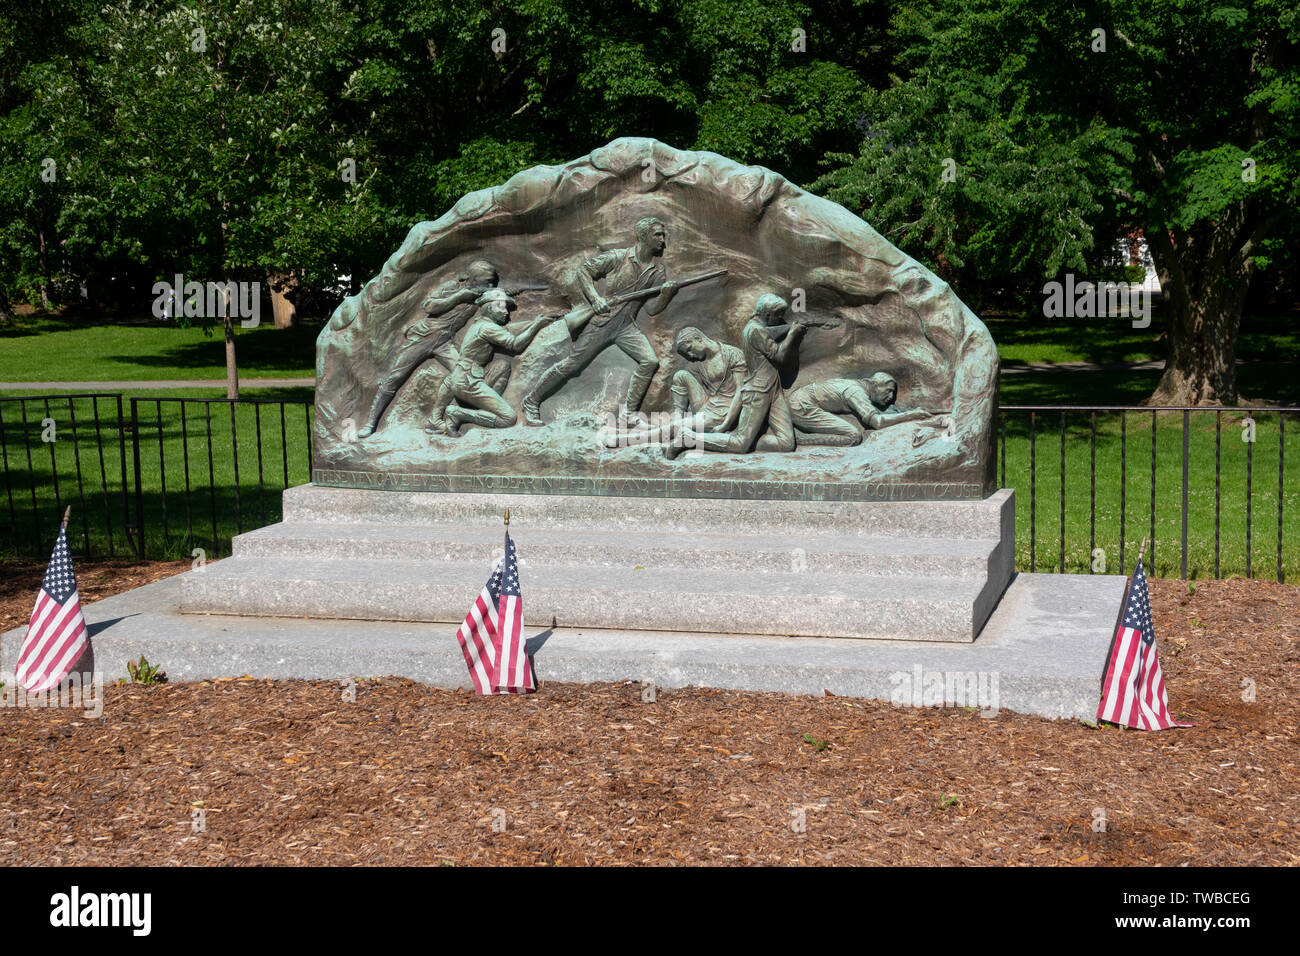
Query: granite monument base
{"x": 1042, "y": 651}
{"x": 897, "y": 570}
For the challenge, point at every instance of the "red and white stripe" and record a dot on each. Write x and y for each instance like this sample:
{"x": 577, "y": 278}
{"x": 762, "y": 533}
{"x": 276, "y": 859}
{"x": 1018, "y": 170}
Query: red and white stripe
{"x": 56, "y": 637}
{"x": 1134, "y": 691}
{"x": 514, "y": 672}
{"x": 492, "y": 636}
{"x": 477, "y": 636}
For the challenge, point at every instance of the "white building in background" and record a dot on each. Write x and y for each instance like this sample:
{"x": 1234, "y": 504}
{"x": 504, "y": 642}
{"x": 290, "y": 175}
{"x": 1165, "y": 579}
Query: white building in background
{"x": 1132, "y": 250}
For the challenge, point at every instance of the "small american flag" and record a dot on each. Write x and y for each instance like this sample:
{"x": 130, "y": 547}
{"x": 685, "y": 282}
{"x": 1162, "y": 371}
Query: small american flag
{"x": 491, "y": 636}
{"x": 1132, "y": 687}
{"x": 56, "y": 635}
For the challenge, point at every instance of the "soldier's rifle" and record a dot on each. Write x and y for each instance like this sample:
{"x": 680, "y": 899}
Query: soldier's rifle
{"x": 579, "y": 317}
{"x": 514, "y": 290}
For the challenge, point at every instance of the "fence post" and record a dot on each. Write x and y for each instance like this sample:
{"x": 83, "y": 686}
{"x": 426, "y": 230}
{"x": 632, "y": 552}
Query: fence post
{"x": 139, "y": 488}
{"x": 1187, "y": 416}
{"x": 121, "y": 448}
{"x": 1250, "y": 447}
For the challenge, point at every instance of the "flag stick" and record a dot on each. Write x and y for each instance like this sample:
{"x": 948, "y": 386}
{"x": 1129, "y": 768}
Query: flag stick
{"x": 1119, "y": 618}
{"x": 506, "y": 539}
{"x": 66, "y": 515}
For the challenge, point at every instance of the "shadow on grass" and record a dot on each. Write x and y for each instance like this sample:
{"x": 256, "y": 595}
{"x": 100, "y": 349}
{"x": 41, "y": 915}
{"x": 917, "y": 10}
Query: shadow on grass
{"x": 1265, "y": 383}
{"x": 1027, "y": 338}
{"x": 261, "y": 351}
{"x": 1078, "y": 387}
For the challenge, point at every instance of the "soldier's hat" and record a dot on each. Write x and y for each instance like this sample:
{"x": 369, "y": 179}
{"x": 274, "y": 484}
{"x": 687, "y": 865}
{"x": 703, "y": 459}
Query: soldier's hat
{"x": 496, "y": 295}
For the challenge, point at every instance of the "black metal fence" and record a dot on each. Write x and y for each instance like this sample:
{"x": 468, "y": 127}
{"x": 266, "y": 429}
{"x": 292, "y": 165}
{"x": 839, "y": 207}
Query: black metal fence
{"x": 101, "y": 432}
{"x": 162, "y": 477}
{"x": 155, "y": 478}
{"x": 1219, "y": 507}
{"x": 223, "y": 501}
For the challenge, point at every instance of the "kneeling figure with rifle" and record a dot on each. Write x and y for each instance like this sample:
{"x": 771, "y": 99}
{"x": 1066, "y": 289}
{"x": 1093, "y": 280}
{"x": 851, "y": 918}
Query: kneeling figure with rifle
{"x": 480, "y": 404}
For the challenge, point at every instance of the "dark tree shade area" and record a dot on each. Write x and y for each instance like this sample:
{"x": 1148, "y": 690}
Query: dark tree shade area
{"x": 1002, "y": 142}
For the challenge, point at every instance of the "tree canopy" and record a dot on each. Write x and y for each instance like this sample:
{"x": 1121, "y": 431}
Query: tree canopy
{"x": 1061, "y": 127}
{"x": 1000, "y": 141}
{"x": 236, "y": 137}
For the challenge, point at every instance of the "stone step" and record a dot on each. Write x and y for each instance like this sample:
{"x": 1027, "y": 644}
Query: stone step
{"x": 989, "y": 518}
{"x": 929, "y": 608}
{"x": 870, "y": 556}
{"x": 1042, "y": 650}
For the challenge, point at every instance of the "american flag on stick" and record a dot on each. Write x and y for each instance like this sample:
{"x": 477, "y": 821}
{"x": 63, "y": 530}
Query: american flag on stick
{"x": 56, "y": 635}
{"x": 491, "y": 636}
{"x": 1132, "y": 688}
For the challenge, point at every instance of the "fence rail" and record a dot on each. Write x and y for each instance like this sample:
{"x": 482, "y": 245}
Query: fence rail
{"x": 1214, "y": 491}
{"x": 162, "y": 477}
{"x": 19, "y": 431}
{"x": 185, "y": 473}
{"x": 228, "y": 494}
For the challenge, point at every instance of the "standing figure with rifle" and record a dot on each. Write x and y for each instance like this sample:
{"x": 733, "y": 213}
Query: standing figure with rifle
{"x": 636, "y": 269}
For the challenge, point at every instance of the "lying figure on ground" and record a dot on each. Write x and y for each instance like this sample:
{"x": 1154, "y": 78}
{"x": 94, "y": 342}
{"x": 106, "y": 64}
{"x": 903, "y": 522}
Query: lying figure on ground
{"x": 817, "y": 407}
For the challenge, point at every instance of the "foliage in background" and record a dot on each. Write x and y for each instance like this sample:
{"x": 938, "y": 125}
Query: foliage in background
{"x": 307, "y": 137}
{"x": 1066, "y": 127}
{"x": 297, "y": 141}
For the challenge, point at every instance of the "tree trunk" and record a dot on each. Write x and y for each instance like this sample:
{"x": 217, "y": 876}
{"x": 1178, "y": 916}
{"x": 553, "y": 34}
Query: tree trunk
{"x": 6, "y": 310}
{"x": 1201, "y": 367}
{"x": 283, "y": 312}
{"x": 45, "y": 267}
{"x": 1204, "y": 297}
{"x": 232, "y": 372}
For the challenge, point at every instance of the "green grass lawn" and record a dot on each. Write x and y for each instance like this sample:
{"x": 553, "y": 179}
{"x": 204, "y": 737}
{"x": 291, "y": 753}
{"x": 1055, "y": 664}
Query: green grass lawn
{"x": 1123, "y": 450}
{"x": 1269, "y": 348}
{"x": 188, "y": 463}
{"x": 1034, "y": 339}
{"x": 49, "y": 348}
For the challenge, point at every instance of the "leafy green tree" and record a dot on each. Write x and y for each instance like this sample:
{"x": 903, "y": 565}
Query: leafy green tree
{"x": 1176, "y": 116}
{"x": 462, "y": 95}
{"x": 222, "y": 130}
{"x": 224, "y": 141}
{"x": 45, "y": 126}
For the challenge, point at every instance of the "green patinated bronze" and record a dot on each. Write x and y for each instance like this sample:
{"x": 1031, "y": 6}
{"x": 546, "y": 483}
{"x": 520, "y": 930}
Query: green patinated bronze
{"x": 535, "y": 339}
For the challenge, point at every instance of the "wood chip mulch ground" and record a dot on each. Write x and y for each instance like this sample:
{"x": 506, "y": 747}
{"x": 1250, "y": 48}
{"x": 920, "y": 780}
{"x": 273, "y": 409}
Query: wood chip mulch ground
{"x": 295, "y": 772}
{"x": 19, "y": 581}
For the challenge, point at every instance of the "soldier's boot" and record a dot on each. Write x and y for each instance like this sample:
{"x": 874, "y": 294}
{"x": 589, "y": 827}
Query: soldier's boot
{"x": 459, "y": 416}
{"x": 532, "y": 403}
{"x": 382, "y": 398}
{"x": 681, "y": 400}
{"x": 442, "y": 426}
{"x": 639, "y": 385}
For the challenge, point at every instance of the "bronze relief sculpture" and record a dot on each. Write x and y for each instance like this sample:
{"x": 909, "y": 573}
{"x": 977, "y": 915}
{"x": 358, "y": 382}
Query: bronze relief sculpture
{"x": 779, "y": 361}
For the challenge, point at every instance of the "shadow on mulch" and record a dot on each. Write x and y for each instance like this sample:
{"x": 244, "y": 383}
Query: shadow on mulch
{"x": 388, "y": 771}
